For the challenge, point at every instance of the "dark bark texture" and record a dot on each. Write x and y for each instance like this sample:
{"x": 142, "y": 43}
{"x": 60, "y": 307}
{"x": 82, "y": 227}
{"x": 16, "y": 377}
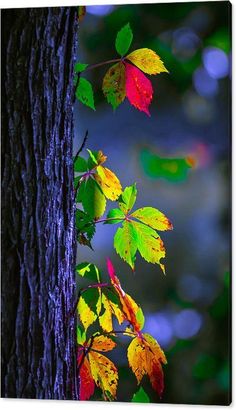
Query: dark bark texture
{"x": 38, "y": 240}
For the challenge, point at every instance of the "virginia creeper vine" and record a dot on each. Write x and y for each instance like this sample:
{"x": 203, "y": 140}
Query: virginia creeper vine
{"x": 104, "y": 299}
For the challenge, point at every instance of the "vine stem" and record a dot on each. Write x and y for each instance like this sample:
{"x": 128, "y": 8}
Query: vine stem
{"x": 108, "y": 219}
{"x": 92, "y": 66}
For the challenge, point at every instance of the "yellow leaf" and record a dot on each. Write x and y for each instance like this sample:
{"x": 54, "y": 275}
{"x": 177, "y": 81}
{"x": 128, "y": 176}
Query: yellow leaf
{"x": 87, "y": 316}
{"x": 108, "y": 182}
{"x": 103, "y": 343}
{"x": 89, "y": 306}
{"x": 147, "y": 60}
{"x": 104, "y": 373}
{"x": 146, "y": 357}
{"x": 110, "y": 309}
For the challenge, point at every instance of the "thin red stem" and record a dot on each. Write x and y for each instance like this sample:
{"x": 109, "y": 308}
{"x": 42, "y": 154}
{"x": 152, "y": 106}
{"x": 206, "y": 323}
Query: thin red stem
{"x": 92, "y": 66}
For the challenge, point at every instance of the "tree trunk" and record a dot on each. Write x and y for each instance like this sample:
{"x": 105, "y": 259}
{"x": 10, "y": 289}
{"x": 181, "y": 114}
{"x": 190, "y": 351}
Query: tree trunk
{"x": 38, "y": 240}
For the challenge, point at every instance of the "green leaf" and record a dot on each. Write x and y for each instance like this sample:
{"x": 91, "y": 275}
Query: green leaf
{"x": 140, "y": 318}
{"x": 125, "y": 242}
{"x": 84, "y": 93}
{"x": 80, "y": 67}
{"x": 115, "y": 213}
{"x": 80, "y": 165}
{"x": 88, "y": 270}
{"x": 149, "y": 243}
{"x": 91, "y": 297}
{"x": 140, "y": 397}
{"x": 85, "y": 226}
{"x": 113, "y": 297}
{"x": 92, "y": 156}
{"x": 128, "y": 198}
{"x": 81, "y": 335}
{"x": 123, "y": 40}
{"x": 93, "y": 200}
{"x": 153, "y": 218}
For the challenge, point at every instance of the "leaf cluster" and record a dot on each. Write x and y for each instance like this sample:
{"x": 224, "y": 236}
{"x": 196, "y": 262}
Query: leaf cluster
{"x": 125, "y": 78}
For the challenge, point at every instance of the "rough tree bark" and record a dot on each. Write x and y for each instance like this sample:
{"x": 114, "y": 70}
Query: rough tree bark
{"x": 38, "y": 242}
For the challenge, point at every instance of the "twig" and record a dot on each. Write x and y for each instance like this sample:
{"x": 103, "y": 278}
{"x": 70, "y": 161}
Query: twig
{"x": 76, "y": 85}
{"x": 81, "y": 146}
{"x": 91, "y": 67}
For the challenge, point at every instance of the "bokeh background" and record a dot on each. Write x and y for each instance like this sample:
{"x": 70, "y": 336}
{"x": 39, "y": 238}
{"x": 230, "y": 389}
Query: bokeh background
{"x": 181, "y": 161}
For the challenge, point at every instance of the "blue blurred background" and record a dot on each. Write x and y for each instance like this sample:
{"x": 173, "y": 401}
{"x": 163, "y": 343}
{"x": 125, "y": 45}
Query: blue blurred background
{"x": 180, "y": 159}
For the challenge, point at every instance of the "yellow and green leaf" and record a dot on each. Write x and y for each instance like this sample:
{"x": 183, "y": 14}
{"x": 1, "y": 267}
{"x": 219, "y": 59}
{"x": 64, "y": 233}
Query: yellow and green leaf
{"x": 128, "y": 198}
{"x": 114, "y": 85}
{"x": 93, "y": 200}
{"x": 153, "y": 218}
{"x": 125, "y": 242}
{"x": 89, "y": 307}
{"x": 108, "y": 182}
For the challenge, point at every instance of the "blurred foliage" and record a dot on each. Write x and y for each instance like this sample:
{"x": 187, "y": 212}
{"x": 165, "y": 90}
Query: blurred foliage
{"x": 171, "y": 169}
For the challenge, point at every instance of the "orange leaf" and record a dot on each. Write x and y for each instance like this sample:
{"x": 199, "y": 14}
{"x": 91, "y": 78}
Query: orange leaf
{"x": 129, "y": 306}
{"x": 103, "y": 343}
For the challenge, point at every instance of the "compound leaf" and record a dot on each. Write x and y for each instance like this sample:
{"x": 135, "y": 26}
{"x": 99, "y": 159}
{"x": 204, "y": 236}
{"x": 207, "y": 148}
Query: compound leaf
{"x": 139, "y": 89}
{"x": 84, "y": 93}
{"x": 123, "y": 40}
{"x": 147, "y": 60}
{"x": 114, "y": 85}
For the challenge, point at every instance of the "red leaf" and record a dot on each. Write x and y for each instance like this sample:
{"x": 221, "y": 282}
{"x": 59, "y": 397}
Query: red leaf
{"x": 138, "y": 88}
{"x": 87, "y": 384}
